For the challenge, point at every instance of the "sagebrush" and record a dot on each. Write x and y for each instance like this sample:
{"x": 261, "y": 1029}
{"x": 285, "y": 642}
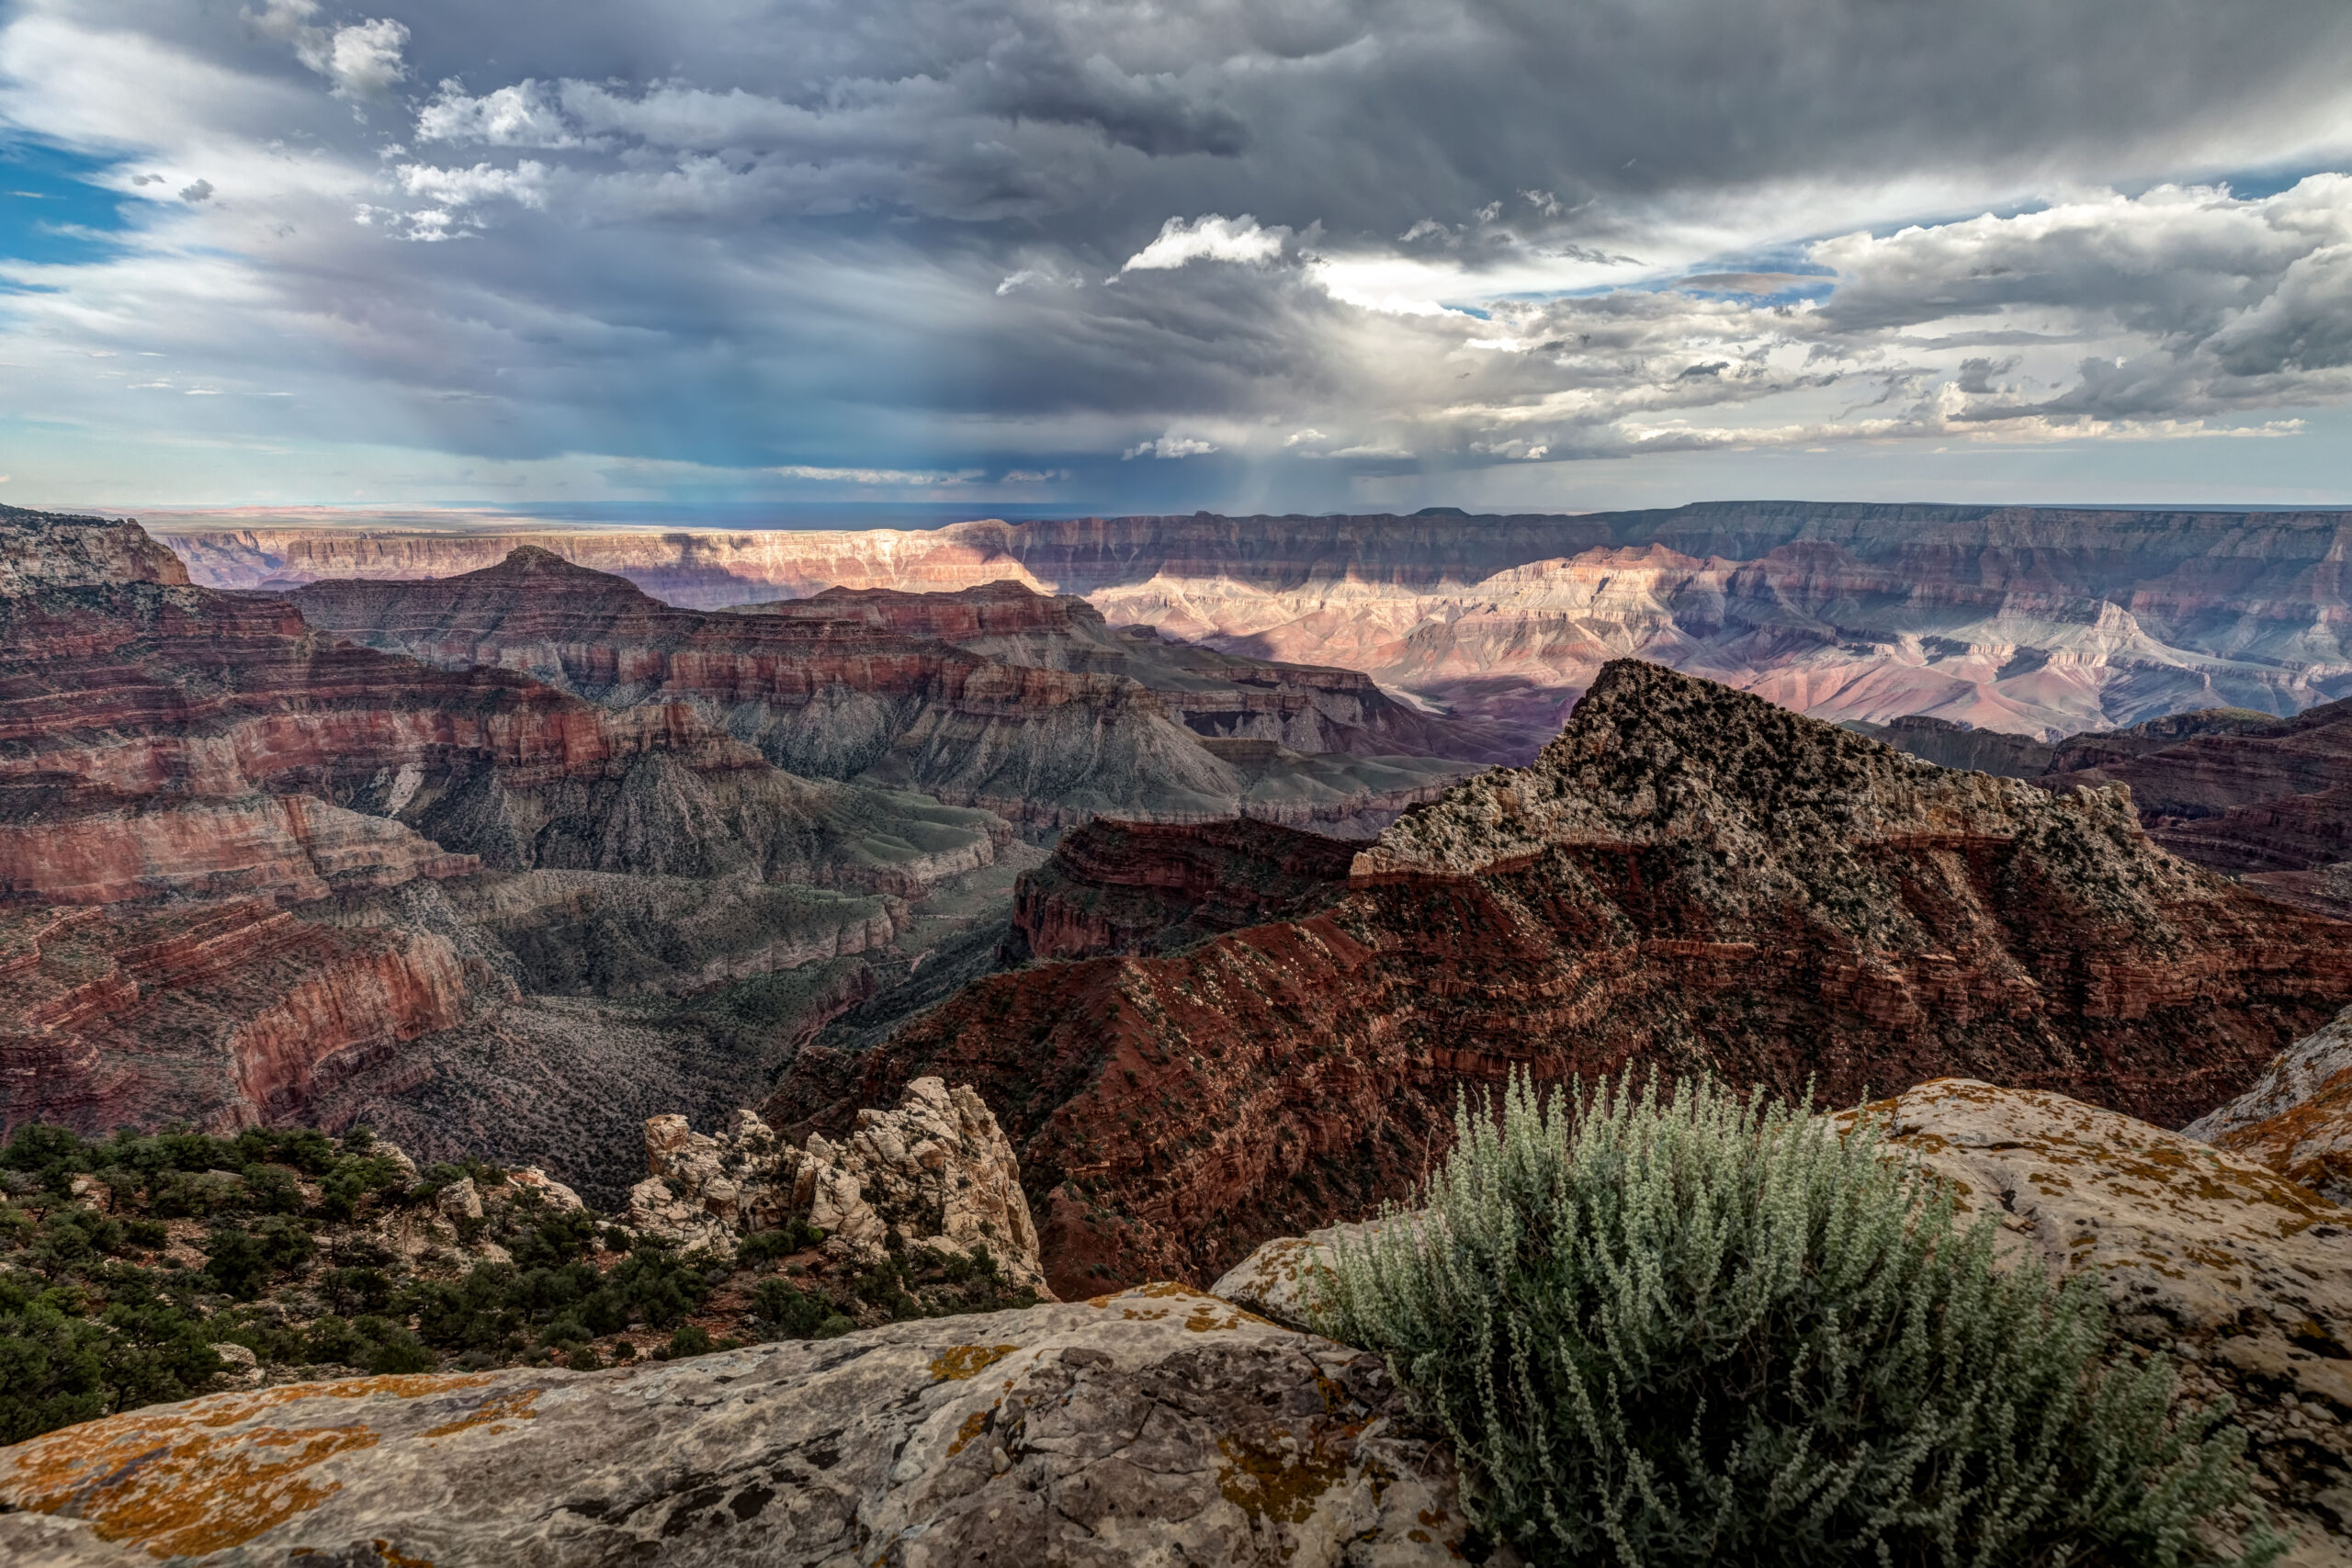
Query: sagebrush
{"x": 1679, "y": 1326}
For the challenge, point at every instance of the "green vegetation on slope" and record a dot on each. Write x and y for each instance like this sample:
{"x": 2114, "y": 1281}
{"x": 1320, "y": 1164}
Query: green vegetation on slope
{"x": 150, "y": 1268}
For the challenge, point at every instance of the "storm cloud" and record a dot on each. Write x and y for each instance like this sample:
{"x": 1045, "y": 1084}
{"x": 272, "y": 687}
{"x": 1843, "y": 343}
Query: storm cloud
{"x": 1052, "y": 248}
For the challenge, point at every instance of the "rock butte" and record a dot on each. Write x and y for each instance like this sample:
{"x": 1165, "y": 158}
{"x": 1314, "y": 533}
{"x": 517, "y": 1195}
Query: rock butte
{"x": 997, "y": 697}
{"x": 1688, "y": 877}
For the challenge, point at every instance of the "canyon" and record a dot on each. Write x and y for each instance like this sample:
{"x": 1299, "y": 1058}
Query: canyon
{"x": 249, "y": 873}
{"x": 2041, "y": 621}
{"x": 1688, "y": 878}
{"x": 1021, "y": 703}
{"x": 1166, "y": 843}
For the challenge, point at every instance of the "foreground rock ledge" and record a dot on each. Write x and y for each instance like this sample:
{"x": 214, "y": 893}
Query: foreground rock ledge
{"x": 1156, "y": 1426}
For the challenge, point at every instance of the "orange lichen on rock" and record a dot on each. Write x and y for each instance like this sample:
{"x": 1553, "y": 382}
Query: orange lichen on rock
{"x": 960, "y": 1362}
{"x": 180, "y": 1482}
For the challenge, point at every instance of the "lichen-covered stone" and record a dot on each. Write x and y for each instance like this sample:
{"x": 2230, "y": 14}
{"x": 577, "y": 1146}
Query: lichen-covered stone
{"x": 937, "y": 1171}
{"x": 1158, "y": 1425}
{"x": 1278, "y": 1280}
{"x": 2242, "y": 1276}
{"x": 2192, "y": 1243}
{"x": 2297, "y": 1119}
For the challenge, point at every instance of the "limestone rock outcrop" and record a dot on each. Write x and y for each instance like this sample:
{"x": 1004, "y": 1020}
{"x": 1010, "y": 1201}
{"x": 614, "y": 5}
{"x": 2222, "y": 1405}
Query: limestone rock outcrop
{"x": 1688, "y": 877}
{"x": 2297, "y": 1119}
{"x": 936, "y": 1173}
{"x": 1155, "y": 1426}
{"x": 2242, "y": 1276}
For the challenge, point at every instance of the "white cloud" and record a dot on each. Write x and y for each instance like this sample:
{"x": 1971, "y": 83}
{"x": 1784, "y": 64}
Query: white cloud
{"x": 1032, "y": 476}
{"x": 1169, "y": 446}
{"x": 362, "y": 60}
{"x": 1296, "y": 436}
{"x": 523, "y": 115}
{"x": 1038, "y": 277}
{"x": 525, "y": 183}
{"x": 365, "y": 59}
{"x": 1210, "y": 238}
{"x": 1517, "y": 449}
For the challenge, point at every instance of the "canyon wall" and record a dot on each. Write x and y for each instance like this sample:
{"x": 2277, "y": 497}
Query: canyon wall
{"x": 1690, "y": 878}
{"x": 2037, "y": 620}
{"x": 249, "y": 873}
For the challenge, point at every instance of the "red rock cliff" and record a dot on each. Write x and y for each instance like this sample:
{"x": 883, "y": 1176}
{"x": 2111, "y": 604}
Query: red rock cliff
{"x": 1688, "y": 878}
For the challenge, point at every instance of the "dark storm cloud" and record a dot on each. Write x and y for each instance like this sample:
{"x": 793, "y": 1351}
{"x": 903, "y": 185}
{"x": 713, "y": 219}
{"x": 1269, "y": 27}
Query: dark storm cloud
{"x": 919, "y": 235}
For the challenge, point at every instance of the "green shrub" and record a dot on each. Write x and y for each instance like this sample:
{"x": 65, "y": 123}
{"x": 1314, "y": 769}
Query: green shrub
{"x": 236, "y": 1263}
{"x": 691, "y": 1340}
{"x": 796, "y": 1314}
{"x": 766, "y": 1247}
{"x": 1689, "y": 1330}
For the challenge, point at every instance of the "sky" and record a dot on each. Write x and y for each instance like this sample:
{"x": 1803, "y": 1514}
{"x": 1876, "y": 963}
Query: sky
{"x": 1014, "y": 257}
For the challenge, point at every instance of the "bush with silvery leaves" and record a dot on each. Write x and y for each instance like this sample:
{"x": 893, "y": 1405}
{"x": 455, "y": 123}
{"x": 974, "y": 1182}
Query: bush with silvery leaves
{"x": 1669, "y": 1327}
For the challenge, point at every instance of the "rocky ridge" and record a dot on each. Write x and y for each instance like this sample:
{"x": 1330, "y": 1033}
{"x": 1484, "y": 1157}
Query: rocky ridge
{"x": 2265, "y": 798}
{"x": 1688, "y": 877}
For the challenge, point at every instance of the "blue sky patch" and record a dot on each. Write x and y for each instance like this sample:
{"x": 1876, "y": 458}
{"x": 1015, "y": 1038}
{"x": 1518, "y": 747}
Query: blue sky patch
{"x": 51, "y": 210}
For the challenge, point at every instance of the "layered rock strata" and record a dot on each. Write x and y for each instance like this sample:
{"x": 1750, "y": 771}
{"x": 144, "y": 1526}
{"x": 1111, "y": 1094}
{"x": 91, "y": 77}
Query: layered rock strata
{"x": 2297, "y": 1119}
{"x": 1159, "y": 1425}
{"x": 2273, "y": 799}
{"x": 2040, "y": 621}
{"x": 224, "y": 840}
{"x": 995, "y": 697}
{"x": 219, "y": 1015}
{"x": 936, "y": 1174}
{"x": 1690, "y": 878}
